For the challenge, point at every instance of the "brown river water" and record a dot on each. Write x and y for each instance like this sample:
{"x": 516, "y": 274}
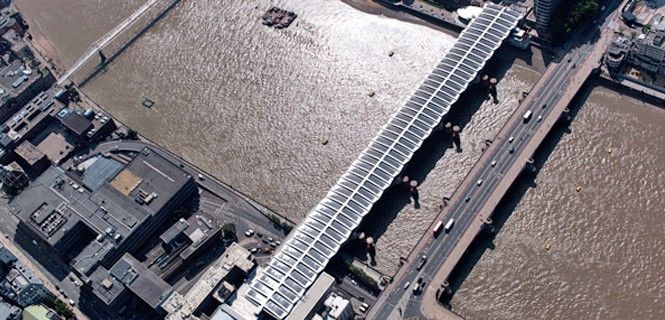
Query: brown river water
{"x": 252, "y": 106}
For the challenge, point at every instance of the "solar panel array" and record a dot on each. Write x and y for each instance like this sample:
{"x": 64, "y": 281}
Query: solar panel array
{"x": 314, "y": 242}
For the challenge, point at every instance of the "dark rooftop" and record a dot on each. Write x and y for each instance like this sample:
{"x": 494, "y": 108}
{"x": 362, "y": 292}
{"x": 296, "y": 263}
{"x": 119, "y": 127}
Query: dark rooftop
{"x": 77, "y": 123}
{"x": 110, "y": 198}
{"x": 141, "y": 281}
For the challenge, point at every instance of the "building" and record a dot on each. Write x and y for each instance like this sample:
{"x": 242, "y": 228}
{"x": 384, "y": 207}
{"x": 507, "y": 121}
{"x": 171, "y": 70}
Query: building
{"x": 9, "y": 311}
{"x": 13, "y": 177}
{"x": 182, "y": 241}
{"x": 337, "y": 308}
{"x": 128, "y": 279}
{"x": 648, "y": 52}
{"x": 544, "y": 10}
{"x": 39, "y": 312}
{"x": 18, "y": 284}
{"x": 216, "y": 284}
{"x": 18, "y": 85}
{"x": 617, "y": 52}
{"x": 31, "y": 159}
{"x": 30, "y": 120}
{"x": 107, "y": 205}
{"x": 86, "y": 125}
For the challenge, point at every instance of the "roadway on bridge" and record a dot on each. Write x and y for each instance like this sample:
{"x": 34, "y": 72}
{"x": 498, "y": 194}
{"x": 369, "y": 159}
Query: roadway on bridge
{"x": 471, "y": 198}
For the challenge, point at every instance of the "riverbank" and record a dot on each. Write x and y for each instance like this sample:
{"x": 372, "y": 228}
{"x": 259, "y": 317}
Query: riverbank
{"x": 376, "y": 8}
{"x": 48, "y": 53}
{"x": 42, "y": 45}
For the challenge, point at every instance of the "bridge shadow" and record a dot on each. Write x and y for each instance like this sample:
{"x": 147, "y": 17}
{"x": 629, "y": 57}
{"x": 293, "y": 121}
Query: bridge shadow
{"x": 507, "y": 205}
{"x": 396, "y": 198}
{"x": 101, "y": 67}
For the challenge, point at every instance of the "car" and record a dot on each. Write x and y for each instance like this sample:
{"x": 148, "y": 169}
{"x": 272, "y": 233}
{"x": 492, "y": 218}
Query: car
{"x": 540, "y": 118}
{"x": 273, "y": 244}
{"x": 259, "y": 234}
{"x": 77, "y": 283}
{"x": 407, "y": 284}
{"x": 71, "y": 302}
{"x": 493, "y": 163}
{"x": 249, "y": 233}
{"x": 365, "y": 305}
{"x": 354, "y": 282}
{"x": 265, "y": 241}
{"x": 278, "y": 242}
{"x": 34, "y": 242}
{"x": 269, "y": 239}
{"x": 254, "y": 250}
{"x": 422, "y": 262}
{"x": 201, "y": 177}
{"x": 510, "y": 140}
{"x": 479, "y": 182}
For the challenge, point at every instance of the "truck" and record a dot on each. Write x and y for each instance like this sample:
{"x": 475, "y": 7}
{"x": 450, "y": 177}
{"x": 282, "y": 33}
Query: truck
{"x": 422, "y": 262}
{"x": 449, "y": 225}
{"x": 437, "y": 228}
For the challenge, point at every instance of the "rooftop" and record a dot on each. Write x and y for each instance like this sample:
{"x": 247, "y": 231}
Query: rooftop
{"x": 101, "y": 198}
{"x": 141, "y": 281}
{"x": 235, "y": 256}
{"x": 14, "y": 78}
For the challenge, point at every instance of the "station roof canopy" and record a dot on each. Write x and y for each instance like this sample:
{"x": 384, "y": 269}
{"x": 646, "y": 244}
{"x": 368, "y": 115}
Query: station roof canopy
{"x": 317, "y": 239}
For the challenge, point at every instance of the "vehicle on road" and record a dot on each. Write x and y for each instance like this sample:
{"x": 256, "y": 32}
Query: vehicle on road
{"x": 422, "y": 262}
{"x": 449, "y": 225}
{"x": 249, "y": 232}
{"x": 71, "y": 302}
{"x": 416, "y": 289}
{"x": 407, "y": 284}
{"x": 527, "y": 116}
{"x": 437, "y": 228}
{"x": 479, "y": 182}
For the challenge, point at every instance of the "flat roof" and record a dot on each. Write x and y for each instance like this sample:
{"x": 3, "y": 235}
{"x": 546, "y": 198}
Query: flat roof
{"x": 142, "y": 282}
{"x": 57, "y": 200}
{"x": 304, "y": 254}
{"x": 28, "y": 152}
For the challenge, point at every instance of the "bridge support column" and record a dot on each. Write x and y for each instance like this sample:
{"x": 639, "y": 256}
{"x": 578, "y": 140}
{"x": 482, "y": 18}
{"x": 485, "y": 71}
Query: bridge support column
{"x": 102, "y": 57}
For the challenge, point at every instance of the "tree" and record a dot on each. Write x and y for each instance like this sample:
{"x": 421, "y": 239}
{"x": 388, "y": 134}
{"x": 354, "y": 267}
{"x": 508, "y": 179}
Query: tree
{"x": 229, "y": 231}
{"x": 570, "y": 15}
{"x": 132, "y": 134}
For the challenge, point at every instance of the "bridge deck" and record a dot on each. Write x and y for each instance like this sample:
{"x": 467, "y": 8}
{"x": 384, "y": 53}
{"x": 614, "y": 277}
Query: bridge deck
{"x": 106, "y": 39}
{"x": 314, "y": 242}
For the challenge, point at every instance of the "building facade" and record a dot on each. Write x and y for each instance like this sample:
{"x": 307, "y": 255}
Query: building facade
{"x": 544, "y": 10}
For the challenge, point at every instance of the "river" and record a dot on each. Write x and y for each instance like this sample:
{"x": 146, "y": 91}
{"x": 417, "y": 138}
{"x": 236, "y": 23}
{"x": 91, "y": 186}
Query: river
{"x": 254, "y": 105}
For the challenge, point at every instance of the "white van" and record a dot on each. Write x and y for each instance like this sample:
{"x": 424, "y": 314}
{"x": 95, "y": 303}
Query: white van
{"x": 527, "y": 116}
{"x": 449, "y": 225}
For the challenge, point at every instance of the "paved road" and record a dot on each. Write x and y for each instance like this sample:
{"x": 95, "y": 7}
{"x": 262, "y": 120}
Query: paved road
{"x": 465, "y": 211}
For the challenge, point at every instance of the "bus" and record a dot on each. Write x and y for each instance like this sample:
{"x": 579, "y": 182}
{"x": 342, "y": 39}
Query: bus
{"x": 437, "y": 228}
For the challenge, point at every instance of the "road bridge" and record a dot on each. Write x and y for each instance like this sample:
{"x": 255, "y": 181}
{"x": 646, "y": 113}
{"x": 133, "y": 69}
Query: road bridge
{"x": 106, "y": 39}
{"x": 299, "y": 261}
{"x": 489, "y": 180}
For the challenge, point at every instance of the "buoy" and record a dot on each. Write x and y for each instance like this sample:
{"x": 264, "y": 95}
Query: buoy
{"x": 324, "y": 142}
{"x": 609, "y": 150}
{"x": 391, "y": 53}
{"x": 547, "y": 247}
{"x": 578, "y": 189}
{"x": 371, "y": 93}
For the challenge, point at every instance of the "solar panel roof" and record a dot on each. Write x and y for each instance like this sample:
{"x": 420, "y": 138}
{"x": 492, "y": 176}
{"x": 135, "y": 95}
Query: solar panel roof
{"x": 311, "y": 245}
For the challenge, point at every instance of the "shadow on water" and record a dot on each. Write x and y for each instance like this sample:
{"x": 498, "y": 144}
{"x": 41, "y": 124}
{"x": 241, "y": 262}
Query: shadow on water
{"x": 424, "y": 160}
{"x": 101, "y": 67}
{"x": 508, "y": 204}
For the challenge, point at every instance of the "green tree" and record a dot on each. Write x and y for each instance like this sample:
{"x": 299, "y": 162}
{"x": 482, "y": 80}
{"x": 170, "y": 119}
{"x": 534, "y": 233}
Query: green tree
{"x": 570, "y": 15}
{"x": 229, "y": 231}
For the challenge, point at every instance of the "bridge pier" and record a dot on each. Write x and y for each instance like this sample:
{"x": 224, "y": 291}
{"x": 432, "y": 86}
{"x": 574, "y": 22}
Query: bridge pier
{"x": 102, "y": 57}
